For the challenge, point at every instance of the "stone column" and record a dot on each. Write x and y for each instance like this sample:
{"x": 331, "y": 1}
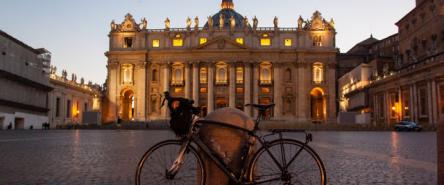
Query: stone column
{"x": 387, "y": 108}
{"x": 277, "y": 90}
{"x": 435, "y": 102}
{"x": 210, "y": 89}
{"x": 196, "y": 83}
{"x": 255, "y": 86}
{"x": 247, "y": 88}
{"x": 187, "y": 80}
{"x": 166, "y": 85}
{"x": 412, "y": 106}
{"x": 113, "y": 95}
{"x": 415, "y": 104}
{"x": 430, "y": 103}
{"x": 140, "y": 84}
{"x": 232, "y": 87}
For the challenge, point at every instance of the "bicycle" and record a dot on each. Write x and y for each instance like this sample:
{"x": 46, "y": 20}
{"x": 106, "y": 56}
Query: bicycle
{"x": 279, "y": 161}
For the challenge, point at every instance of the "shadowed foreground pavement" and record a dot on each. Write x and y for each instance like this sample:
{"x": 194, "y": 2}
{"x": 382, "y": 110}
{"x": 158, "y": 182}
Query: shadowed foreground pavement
{"x": 110, "y": 156}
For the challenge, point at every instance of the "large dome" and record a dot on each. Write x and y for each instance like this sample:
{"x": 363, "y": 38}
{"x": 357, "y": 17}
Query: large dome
{"x": 227, "y": 11}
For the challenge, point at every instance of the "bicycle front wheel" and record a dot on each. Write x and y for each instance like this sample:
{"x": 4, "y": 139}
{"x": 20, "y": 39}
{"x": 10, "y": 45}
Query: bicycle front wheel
{"x": 158, "y": 159}
{"x": 287, "y": 162}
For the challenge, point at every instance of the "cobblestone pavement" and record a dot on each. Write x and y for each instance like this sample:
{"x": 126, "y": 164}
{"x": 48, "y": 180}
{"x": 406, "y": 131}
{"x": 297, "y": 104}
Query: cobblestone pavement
{"x": 105, "y": 157}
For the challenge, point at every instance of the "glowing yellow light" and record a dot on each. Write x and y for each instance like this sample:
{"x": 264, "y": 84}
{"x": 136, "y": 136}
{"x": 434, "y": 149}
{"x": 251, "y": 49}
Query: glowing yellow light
{"x": 394, "y": 108}
{"x": 177, "y": 42}
{"x": 156, "y": 43}
{"x": 288, "y": 42}
{"x": 178, "y": 90}
{"x": 265, "y": 41}
{"x": 202, "y": 40}
{"x": 240, "y": 40}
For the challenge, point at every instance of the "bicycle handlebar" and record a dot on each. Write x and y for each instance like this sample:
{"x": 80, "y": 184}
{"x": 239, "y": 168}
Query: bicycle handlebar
{"x": 183, "y": 102}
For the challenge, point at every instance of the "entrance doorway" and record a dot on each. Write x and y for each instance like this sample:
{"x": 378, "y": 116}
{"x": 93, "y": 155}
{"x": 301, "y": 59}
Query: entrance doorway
{"x": 19, "y": 123}
{"x": 128, "y": 105}
{"x": 318, "y": 107}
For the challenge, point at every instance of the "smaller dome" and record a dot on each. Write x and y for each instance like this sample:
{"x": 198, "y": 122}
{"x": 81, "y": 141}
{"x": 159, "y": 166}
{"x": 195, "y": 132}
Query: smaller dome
{"x": 227, "y": 13}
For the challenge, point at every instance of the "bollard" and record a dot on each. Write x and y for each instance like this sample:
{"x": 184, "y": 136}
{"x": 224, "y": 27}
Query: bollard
{"x": 440, "y": 150}
{"x": 227, "y": 142}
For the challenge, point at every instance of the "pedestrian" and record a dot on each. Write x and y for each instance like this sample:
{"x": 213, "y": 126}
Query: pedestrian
{"x": 10, "y": 126}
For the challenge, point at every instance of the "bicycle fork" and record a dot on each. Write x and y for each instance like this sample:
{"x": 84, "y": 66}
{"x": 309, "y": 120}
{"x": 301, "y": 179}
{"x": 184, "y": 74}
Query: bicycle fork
{"x": 174, "y": 169}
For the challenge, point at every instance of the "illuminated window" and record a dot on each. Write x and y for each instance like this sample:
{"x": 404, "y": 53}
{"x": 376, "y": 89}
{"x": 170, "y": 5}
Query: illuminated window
{"x": 203, "y": 75}
{"x": 318, "y": 72}
{"x": 288, "y": 42}
{"x": 393, "y": 105}
{"x": 156, "y": 43}
{"x": 265, "y": 41}
{"x": 127, "y": 73}
{"x": 239, "y": 90}
{"x": 317, "y": 40}
{"x": 265, "y": 90}
{"x": 202, "y": 40}
{"x": 240, "y": 40}
{"x": 239, "y": 75}
{"x": 178, "y": 41}
{"x": 221, "y": 73}
{"x": 265, "y": 73}
{"x": 177, "y": 77}
{"x": 128, "y": 42}
{"x": 178, "y": 90}
{"x": 203, "y": 90}
{"x": 406, "y": 102}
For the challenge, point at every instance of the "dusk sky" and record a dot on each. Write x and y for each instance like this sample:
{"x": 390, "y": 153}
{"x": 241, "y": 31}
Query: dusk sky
{"x": 75, "y": 31}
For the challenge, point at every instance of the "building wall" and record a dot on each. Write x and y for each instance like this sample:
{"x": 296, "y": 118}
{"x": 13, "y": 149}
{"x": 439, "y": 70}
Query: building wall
{"x": 74, "y": 99}
{"x": 413, "y": 92}
{"x": 154, "y": 70}
{"x": 24, "y": 83}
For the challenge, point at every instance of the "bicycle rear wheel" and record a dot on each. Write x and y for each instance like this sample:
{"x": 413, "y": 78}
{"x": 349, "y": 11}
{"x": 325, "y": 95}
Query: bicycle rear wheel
{"x": 158, "y": 159}
{"x": 287, "y": 162}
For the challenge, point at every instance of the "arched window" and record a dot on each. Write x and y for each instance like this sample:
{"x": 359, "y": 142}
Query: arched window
{"x": 265, "y": 73}
{"x": 221, "y": 73}
{"x": 318, "y": 72}
{"x": 177, "y": 75}
{"x": 127, "y": 73}
{"x": 203, "y": 75}
{"x": 155, "y": 75}
{"x": 287, "y": 75}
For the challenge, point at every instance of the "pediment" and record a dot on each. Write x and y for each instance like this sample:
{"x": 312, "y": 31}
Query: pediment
{"x": 221, "y": 43}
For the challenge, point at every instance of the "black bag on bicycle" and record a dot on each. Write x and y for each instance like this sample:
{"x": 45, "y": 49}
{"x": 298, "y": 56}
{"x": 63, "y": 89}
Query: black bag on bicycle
{"x": 181, "y": 119}
{"x": 181, "y": 113}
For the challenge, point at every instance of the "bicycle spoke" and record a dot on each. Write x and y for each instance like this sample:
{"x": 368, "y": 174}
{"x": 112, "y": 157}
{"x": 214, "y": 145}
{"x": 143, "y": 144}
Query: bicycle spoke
{"x": 161, "y": 157}
{"x": 302, "y": 167}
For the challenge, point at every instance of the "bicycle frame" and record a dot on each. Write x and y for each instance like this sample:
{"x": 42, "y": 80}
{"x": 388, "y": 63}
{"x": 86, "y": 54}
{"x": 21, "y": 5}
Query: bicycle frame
{"x": 241, "y": 178}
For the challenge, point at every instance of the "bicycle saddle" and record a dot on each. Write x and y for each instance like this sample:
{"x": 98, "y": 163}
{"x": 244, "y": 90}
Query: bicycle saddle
{"x": 261, "y": 107}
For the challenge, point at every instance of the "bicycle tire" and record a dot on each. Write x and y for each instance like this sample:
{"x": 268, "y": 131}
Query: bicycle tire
{"x": 257, "y": 173}
{"x": 159, "y": 158}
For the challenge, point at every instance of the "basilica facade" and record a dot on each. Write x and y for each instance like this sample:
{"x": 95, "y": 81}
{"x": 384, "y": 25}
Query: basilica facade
{"x": 228, "y": 61}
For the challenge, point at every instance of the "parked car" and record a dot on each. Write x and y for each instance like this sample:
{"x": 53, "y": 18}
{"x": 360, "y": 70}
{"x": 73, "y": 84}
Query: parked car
{"x": 408, "y": 126}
